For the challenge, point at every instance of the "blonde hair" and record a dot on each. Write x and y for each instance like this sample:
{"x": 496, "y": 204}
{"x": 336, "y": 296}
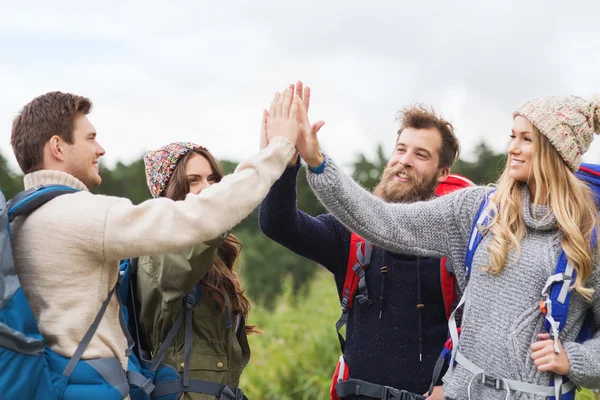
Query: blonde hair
{"x": 569, "y": 199}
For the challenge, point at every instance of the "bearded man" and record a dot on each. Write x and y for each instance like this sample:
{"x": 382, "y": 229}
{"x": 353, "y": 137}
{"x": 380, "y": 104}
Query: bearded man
{"x": 395, "y": 340}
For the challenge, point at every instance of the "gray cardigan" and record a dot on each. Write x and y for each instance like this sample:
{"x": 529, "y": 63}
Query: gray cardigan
{"x": 501, "y": 318}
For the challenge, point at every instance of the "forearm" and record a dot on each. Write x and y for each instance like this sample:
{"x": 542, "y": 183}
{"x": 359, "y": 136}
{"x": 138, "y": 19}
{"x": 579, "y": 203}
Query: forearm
{"x": 161, "y": 226}
{"x": 316, "y": 238}
{"x": 416, "y": 229}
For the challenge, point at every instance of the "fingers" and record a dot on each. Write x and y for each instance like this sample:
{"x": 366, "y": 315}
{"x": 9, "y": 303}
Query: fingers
{"x": 300, "y": 89}
{"x": 540, "y": 353}
{"x": 543, "y": 336}
{"x": 547, "y": 359}
{"x": 541, "y": 344}
{"x": 287, "y": 103}
{"x": 273, "y": 109}
{"x": 306, "y": 98}
{"x": 295, "y": 106}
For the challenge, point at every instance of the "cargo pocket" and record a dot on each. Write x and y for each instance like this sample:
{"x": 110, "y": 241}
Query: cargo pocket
{"x": 208, "y": 367}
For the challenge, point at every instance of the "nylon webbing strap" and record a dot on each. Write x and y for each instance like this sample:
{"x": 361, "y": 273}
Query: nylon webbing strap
{"x": 359, "y": 268}
{"x": 500, "y": 383}
{"x": 28, "y": 201}
{"x": 143, "y": 353}
{"x": 162, "y": 351}
{"x": 357, "y": 387}
{"x": 88, "y": 336}
{"x": 130, "y": 342}
{"x": 222, "y": 392}
{"x": 187, "y": 347}
{"x": 437, "y": 372}
{"x": 139, "y": 380}
{"x": 338, "y": 327}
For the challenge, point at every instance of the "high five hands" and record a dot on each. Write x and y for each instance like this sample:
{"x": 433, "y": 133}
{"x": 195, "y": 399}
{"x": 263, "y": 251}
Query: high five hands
{"x": 288, "y": 117}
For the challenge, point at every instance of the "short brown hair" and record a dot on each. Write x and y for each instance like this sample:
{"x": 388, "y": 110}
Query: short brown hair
{"x": 45, "y": 116}
{"x": 420, "y": 116}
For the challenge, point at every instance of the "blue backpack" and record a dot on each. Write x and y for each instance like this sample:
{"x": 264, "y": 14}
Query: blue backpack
{"x": 31, "y": 370}
{"x": 554, "y": 305}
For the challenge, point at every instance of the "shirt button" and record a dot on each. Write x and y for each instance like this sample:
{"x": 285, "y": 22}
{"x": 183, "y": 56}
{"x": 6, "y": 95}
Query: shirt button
{"x": 219, "y": 365}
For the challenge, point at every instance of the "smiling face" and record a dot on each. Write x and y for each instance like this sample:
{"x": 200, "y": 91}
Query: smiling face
{"x": 81, "y": 157}
{"x": 413, "y": 173}
{"x": 520, "y": 150}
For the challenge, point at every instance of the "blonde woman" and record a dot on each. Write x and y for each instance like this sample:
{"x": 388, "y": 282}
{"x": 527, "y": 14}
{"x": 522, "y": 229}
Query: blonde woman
{"x": 539, "y": 209}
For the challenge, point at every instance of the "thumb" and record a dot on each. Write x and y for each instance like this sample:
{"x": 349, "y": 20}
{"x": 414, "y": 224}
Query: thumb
{"x": 316, "y": 127}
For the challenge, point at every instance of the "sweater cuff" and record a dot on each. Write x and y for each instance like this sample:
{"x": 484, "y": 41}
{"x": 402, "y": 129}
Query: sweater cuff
{"x": 326, "y": 179}
{"x": 579, "y": 365}
{"x": 288, "y": 147}
{"x": 320, "y": 168}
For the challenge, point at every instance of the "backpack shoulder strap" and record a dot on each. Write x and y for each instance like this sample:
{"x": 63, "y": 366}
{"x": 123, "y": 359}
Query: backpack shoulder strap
{"x": 28, "y": 201}
{"x": 482, "y": 219}
{"x": 359, "y": 258}
{"x": 449, "y": 286}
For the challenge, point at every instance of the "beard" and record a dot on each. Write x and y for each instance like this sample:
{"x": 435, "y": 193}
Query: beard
{"x": 416, "y": 189}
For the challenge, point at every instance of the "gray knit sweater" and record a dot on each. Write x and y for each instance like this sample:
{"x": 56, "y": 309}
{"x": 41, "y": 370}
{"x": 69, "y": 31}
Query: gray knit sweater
{"x": 501, "y": 318}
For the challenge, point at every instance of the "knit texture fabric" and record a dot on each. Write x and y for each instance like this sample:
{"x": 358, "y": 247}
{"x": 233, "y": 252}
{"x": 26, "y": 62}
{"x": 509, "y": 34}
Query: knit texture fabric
{"x": 160, "y": 164}
{"x": 386, "y": 350}
{"x": 67, "y": 252}
{"x": 569, "y": 122}
{"x": 501, "y": 317}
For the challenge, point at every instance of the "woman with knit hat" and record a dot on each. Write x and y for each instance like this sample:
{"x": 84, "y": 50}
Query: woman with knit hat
{"x": 538, "y": 210}
{"x": 192, "y": 309}
{"x": 219, "y": 347}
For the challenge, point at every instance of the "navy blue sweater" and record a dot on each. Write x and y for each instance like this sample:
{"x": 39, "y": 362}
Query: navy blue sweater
{"x": 383, "y": 351}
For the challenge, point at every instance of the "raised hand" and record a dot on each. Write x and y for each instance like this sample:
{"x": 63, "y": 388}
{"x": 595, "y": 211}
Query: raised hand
{"x": 307, "y": 139}
{"x": 282, "y": 119}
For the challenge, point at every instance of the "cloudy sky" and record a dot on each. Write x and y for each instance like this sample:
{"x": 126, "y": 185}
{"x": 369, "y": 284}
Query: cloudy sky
{"x": 203, "y": 71}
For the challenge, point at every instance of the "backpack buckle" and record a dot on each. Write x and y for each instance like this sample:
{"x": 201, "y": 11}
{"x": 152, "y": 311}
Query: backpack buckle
{"x": 363, "y": 300}
{"x": 492, "y": 382}
{"x": 190, "y": 301}
{"x": 391, "y": 393}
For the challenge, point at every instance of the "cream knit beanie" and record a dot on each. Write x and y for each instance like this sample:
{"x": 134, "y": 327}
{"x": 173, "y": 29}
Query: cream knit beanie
{"x": 569, "y": 122}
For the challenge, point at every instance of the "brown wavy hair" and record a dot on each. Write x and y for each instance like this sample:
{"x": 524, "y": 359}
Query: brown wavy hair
{"x": 221, "y": 278}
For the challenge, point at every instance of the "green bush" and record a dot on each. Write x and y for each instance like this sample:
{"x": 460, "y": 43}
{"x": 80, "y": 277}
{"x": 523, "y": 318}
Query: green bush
{"x": 295, "y": 357}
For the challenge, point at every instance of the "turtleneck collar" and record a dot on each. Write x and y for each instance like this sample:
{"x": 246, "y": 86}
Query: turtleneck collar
{"x": 52, "y": 177}
{"x": 542, "y": 218}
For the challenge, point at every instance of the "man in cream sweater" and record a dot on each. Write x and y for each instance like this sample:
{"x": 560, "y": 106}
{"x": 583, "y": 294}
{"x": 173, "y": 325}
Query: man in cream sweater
{"x": 67, "y": 252}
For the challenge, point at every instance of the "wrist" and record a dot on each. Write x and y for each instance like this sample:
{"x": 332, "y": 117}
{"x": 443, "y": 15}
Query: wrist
{"x": 316, "y": 161}
{"x": 295, "y": 160}
{"x": 320, "y": 167}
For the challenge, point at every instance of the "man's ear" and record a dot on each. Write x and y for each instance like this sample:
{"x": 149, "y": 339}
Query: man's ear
{"x": 55, "y": 148}
{"x": 443, "y": 174}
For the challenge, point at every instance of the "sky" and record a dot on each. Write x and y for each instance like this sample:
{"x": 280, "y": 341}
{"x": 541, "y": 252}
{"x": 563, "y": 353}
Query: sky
{"x": 202, "y": 71}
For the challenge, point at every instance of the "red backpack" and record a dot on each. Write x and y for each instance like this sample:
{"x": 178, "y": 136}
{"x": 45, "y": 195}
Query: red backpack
{"x": 358, "y": 262}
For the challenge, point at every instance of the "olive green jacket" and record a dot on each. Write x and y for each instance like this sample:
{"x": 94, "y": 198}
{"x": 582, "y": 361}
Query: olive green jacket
{"x": 220, "y": 348}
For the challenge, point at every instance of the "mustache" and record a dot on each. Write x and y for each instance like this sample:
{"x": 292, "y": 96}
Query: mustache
{"x": 399, "y": 168}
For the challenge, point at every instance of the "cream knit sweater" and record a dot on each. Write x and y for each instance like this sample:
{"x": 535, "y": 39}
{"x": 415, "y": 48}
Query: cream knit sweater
{"x": 67, "y": 252}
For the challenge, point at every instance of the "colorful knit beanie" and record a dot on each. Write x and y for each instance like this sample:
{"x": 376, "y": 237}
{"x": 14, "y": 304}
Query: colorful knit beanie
{"x": 160, "y": 164}
{"x": 569, "y": 122}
